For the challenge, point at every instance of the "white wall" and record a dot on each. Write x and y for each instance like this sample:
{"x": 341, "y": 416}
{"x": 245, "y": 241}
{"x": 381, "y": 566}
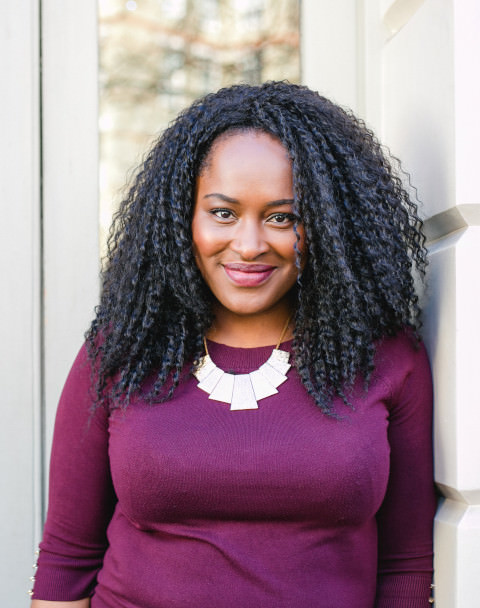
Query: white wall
{"x": 70, "y": 187}
{"x": 409, "y": 67}
{"x": 49, "y": 236}
{"x": 20, "y": 302}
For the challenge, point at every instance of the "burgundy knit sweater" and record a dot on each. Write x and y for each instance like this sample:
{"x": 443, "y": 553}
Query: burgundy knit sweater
{"x": 187, "y": 504}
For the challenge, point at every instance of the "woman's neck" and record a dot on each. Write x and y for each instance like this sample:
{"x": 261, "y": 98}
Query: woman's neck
{"x": 250, "y": 331}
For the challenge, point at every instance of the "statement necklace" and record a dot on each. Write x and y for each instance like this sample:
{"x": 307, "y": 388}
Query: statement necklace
{"x": 242, "y": 391}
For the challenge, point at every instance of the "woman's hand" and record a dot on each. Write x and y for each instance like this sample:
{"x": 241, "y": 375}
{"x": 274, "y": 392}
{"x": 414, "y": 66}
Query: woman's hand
{"x": 85, "y": 603}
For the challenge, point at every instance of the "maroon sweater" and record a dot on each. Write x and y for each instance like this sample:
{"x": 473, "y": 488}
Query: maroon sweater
{"x": 187, "y": 504}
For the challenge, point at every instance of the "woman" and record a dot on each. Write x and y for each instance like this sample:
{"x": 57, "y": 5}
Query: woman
{"x": 259, "y": 428}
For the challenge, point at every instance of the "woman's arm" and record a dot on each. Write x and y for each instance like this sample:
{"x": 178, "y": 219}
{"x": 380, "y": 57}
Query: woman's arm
{"x": 85, "y": 603}
{"x": 405, "y": 520}
{"x": 81, "y": 497}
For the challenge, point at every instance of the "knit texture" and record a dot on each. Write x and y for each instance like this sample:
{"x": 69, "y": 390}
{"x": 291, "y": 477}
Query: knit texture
{"x": 187, "y": 504}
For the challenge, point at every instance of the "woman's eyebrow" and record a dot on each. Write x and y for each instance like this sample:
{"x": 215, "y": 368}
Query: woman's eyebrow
{"x": 222, "y": 197}
{"x": 281, "y": 201}
{"x": 229, "y": 199}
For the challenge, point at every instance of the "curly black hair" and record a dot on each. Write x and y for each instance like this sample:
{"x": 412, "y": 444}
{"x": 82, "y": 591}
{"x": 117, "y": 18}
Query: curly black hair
{"x": 363, "y": 236}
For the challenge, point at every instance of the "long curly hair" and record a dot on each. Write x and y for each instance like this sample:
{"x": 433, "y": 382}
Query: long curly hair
{"x": 363, "y": 237}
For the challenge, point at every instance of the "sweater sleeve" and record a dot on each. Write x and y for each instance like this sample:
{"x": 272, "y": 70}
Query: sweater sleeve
{"x": 405, "y": 519}
{"x": 81, "y": 495}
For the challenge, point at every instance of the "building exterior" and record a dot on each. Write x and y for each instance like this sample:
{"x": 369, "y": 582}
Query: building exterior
{"x": 408, "y": 67}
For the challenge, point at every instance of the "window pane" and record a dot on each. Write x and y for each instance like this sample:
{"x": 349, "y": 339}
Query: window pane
{"x": 156, "y": 56}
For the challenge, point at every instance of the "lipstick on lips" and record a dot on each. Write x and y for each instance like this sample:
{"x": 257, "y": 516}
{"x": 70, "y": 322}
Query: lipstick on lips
{"x": 248, "y": 275}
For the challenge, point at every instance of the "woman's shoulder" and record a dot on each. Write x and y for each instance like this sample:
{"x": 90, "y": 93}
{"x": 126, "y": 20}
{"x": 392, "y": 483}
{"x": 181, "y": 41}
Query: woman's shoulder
{"x": 77, "y": 397}
{"x": 404, "y": 346}
{"x": 81, "y": 368}
{"x": 402, "y": 361}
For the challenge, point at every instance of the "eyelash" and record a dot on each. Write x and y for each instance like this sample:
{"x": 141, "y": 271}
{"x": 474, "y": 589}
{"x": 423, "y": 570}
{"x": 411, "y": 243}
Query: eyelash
{"x": 217, "y": 212}
{"x": 285, "y": 216}
{"x": 290, "y": 217}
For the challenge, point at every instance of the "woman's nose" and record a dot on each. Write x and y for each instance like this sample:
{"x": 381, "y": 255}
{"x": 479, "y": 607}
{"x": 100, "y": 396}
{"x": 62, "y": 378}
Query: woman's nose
{"x": 249, "y": 240}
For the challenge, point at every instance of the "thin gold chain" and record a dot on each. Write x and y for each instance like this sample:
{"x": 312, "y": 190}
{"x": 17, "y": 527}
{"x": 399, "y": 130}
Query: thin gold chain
{"x": 284, "y": 331}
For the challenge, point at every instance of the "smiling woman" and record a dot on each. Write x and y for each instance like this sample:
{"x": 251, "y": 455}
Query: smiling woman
{"x": 249, "y": 421}
{"x": 244, "y": 240}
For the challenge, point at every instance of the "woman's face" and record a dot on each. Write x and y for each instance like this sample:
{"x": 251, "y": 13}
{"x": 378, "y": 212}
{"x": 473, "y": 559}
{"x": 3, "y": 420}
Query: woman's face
{"x": 243, "y": 236}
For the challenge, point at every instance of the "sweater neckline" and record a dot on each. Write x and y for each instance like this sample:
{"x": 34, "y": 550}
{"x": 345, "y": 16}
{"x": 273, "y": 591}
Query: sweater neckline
{"x": 232, "y": 359}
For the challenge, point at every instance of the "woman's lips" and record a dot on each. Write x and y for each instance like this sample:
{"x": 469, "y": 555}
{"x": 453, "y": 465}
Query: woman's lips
{"x": 248, "y": 275}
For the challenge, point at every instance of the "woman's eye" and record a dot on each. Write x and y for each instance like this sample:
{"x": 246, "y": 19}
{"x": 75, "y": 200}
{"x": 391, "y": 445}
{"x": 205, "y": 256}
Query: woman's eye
{"x": 282, "y": 218}
{"x": 222, "y": 214}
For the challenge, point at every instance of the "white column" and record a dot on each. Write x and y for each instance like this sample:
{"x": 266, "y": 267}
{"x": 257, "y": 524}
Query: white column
{"x": 431, "y": 95}
{"x": 49, "y": 262}
{"x": 329, "y": 60}
{"x": 20, "y": 301}
{"x": 70, "y": 186}
{"x": 415, "y": 82}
